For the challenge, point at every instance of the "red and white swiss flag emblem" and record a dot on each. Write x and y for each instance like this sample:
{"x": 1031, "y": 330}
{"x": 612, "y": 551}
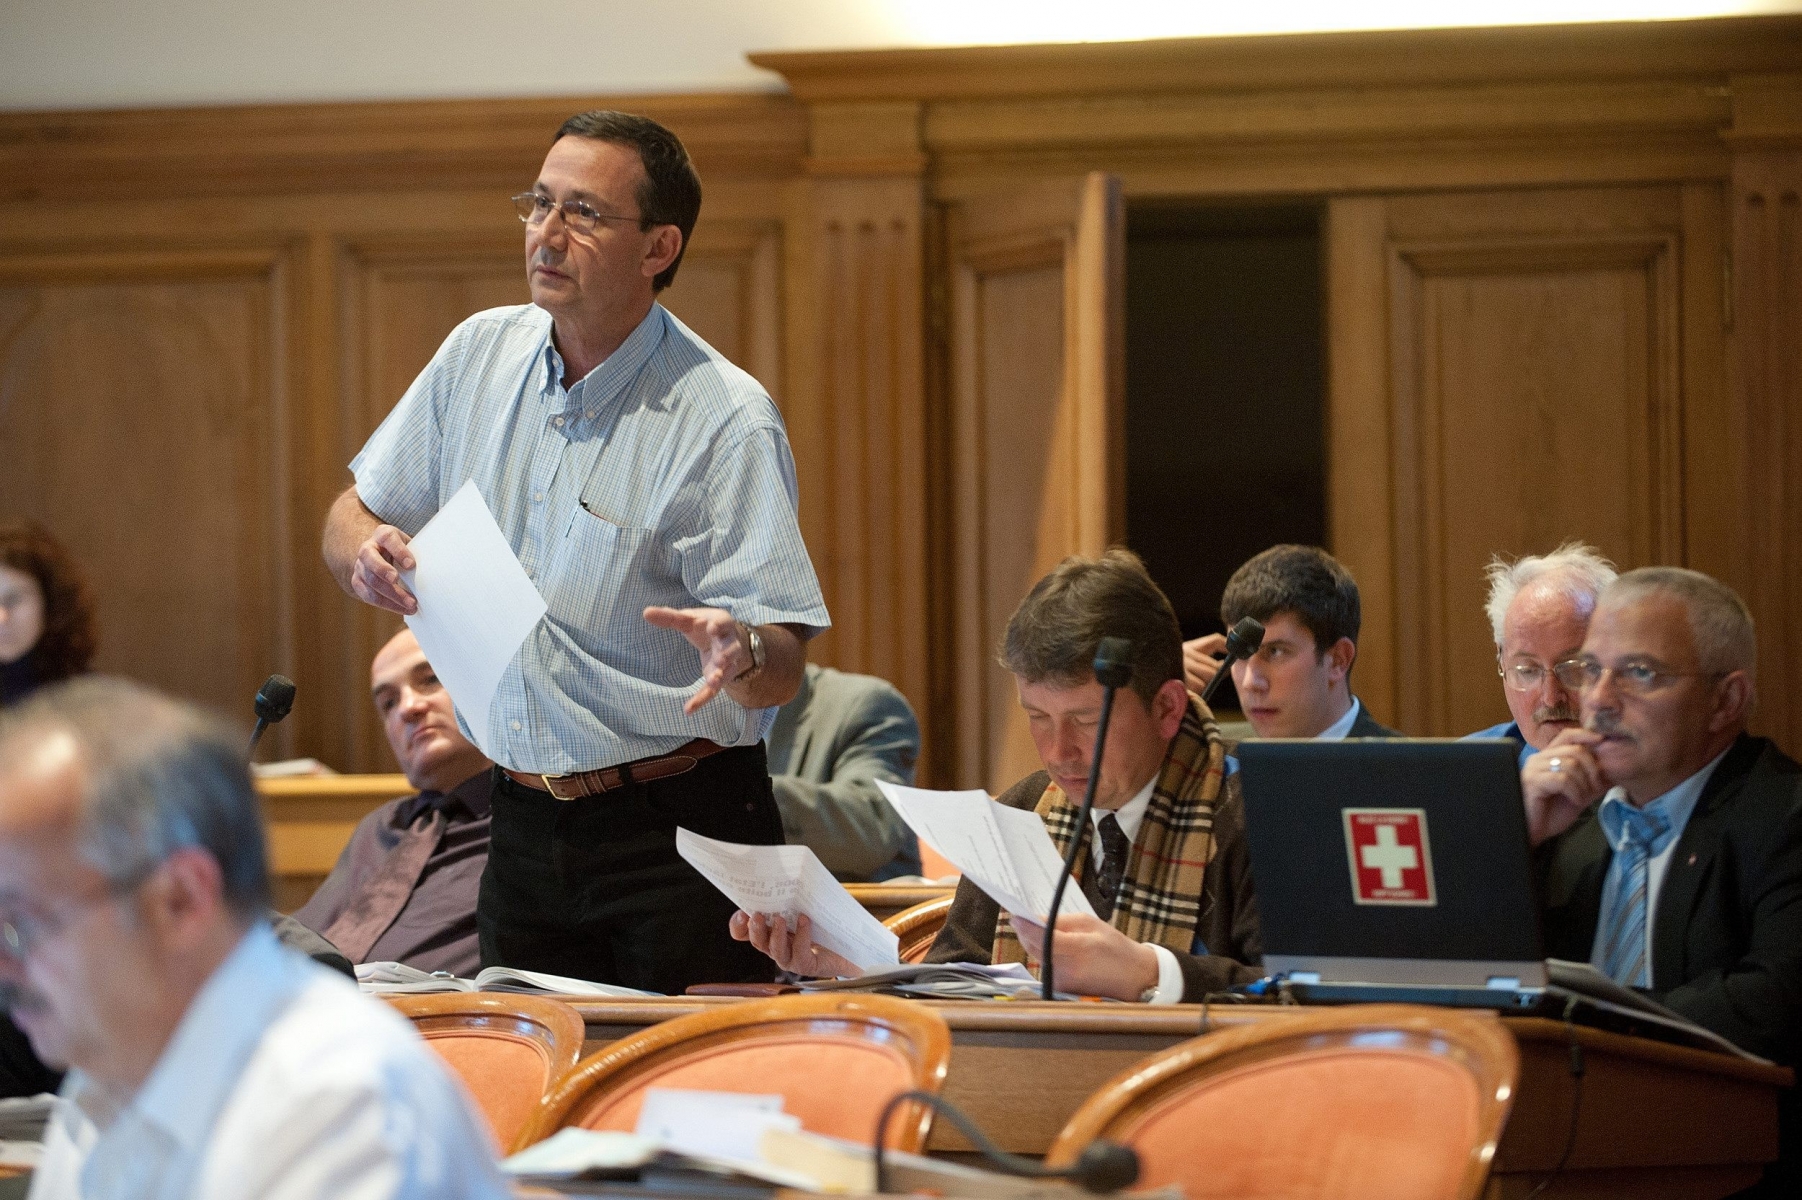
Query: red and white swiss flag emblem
{"x": 1391, "y": 861}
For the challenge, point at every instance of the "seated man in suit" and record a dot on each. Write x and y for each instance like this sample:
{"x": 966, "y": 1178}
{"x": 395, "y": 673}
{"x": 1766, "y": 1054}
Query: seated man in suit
{"x": 1539, "y": 608}
{"x": 1166, "y": 866}
{"x": 404, "y": 889}
{"x": 1298, "y": 684}
{"x": 828, "y": 747}
{"x": 208, "y": 1061}
{"x": 1668, "y": 841}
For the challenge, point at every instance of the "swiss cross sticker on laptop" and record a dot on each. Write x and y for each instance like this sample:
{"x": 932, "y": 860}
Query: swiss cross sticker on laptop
{"x": 1391, "y": 861}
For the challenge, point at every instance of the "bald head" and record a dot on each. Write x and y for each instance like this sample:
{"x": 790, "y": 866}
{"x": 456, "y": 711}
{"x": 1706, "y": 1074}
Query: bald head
{"x": 418, "y": 718}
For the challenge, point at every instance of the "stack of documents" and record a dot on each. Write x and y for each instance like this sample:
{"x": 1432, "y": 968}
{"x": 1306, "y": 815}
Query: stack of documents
{"x": 943, "y": 981}
{"x": 398, "y": 979}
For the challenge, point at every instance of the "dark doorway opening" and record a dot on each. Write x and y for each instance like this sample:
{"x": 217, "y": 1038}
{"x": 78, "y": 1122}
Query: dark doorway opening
{"x": 1225, "y": 394}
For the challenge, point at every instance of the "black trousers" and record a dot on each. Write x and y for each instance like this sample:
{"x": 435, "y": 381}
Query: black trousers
{"x": 593, "y": 888}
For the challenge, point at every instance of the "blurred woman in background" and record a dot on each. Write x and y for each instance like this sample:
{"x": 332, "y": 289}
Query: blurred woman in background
{"x": 46, "y": 612}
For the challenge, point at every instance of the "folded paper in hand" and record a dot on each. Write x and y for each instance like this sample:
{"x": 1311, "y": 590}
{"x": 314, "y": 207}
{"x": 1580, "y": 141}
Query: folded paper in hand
{"x": 1005, "y": 851}
{"x": 791, "y": 880}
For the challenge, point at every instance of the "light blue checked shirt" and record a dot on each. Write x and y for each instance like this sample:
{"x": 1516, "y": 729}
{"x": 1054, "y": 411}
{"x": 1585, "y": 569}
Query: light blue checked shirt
{"x": 662, "y": 477}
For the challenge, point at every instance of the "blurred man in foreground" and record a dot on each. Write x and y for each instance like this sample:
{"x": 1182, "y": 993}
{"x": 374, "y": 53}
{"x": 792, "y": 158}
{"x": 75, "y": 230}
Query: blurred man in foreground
{"x": 208, "y": 1061}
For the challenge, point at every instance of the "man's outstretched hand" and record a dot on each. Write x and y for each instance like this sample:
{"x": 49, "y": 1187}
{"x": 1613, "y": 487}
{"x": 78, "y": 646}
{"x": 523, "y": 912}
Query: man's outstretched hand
{"x": 720, "y": 639}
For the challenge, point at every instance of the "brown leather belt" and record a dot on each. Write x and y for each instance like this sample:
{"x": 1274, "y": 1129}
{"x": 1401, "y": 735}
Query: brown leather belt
{"x": 592, "y": 783}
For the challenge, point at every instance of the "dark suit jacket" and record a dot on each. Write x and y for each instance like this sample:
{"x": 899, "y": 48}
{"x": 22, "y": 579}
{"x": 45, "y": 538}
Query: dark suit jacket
{"x": 1366, "y": 726}
{"x": 1727, "y": 935}
{"x": 1228, "y": 948}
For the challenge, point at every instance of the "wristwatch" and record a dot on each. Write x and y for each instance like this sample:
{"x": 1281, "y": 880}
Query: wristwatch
{"x": 754, "y": 641}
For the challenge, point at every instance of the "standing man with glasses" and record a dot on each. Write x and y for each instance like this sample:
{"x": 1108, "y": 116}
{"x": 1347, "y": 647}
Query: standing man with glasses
{"x": 1685, "y": 880}
{"x": 647, "y": 487}
{"x": 1539, "y": 607}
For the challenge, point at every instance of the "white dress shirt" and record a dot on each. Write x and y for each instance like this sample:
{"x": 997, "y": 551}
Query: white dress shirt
{"x": 281, "y": 1082}
{"x": 1339, "y": 730}
{"x": 1131, "y": 815}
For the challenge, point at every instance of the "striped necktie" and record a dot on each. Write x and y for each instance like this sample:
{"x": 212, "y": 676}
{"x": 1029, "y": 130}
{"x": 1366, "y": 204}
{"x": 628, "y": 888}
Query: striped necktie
{"x": 1638, "y": 835}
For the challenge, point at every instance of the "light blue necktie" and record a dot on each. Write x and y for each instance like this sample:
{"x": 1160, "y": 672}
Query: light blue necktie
{"x": 1638, "y": 835}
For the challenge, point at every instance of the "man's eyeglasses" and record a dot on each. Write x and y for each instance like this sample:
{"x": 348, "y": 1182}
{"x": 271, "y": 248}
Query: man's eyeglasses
{"x": 22, "y": 931}
{"x": 1632, "y": 677}
{"x": 1530, "y": 676}
{"x": 534, "y": 207}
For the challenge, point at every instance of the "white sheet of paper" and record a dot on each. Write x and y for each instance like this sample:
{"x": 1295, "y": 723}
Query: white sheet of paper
{"x": 1005, "y": 851}
{"x": 716, "y": 1124}
{"x": 791, "y": 880}
{"x": 476, "y": 604}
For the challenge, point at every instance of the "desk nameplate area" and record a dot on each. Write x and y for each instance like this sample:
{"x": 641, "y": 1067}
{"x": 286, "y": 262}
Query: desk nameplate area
{"x": 1656, "y": 1120}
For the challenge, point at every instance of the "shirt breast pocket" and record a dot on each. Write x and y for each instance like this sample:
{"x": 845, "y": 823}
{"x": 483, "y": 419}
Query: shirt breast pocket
{"x": 601, "y": 568}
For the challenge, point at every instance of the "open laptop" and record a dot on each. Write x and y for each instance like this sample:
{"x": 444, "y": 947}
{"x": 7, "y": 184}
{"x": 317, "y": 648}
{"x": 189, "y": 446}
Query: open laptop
{"x": 1393, "y": 869}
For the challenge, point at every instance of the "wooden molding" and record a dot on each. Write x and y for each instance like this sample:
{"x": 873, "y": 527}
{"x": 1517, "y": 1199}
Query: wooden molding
{"x": 365, "y": 147}
{"x": 1430, "y": 58}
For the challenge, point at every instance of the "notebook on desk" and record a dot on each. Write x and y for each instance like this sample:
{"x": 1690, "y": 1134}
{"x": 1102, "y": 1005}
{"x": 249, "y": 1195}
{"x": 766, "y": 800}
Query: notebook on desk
{"x": 1393, "y": 869}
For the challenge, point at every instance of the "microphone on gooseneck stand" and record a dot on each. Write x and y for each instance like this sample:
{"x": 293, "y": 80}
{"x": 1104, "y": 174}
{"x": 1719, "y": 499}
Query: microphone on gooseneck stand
{"x": 275, "y": 700}
{"x": 1242, "y": 641}
{"x": 1103, "y": 1166}
{"x": 1113, "y": 670}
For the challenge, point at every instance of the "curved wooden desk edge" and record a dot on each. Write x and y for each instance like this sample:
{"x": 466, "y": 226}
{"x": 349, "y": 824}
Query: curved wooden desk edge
{"x": 1544, "y": 1029}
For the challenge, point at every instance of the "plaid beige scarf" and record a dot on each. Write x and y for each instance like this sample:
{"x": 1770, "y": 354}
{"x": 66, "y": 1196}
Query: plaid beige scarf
{"x": 1160, "y": 896}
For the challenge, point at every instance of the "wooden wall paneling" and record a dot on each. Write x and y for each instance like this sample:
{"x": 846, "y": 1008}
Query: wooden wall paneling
{"x": 1537, "y": 396}
{"x": 1360, "y": 464}
{"x": 854, "y": 400}
{"x": 1767, "y": 333}
{"x": 1038, "y": 398}
{"x": 143, "y": 417}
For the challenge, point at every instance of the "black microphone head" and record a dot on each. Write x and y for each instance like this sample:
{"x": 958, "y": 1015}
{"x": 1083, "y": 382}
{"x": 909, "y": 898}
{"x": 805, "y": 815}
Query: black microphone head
{"x": 1243, "y": 639}
{"x": 275, "y": 699}
{"x": 1106, "y": 1167}
{"x": 1113, "y": 662}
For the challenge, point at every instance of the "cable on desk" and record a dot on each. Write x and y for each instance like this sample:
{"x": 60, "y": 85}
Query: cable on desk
{"x": 1576, "y": 1100}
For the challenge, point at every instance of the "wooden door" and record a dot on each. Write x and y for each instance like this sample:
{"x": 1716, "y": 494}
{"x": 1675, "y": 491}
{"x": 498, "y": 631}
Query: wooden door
{"x": 1510, "y": 370}
{"x": 1038, "y": 413}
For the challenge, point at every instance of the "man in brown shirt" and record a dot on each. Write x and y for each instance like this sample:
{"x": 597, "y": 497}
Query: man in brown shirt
{"x": 404, "y": 890}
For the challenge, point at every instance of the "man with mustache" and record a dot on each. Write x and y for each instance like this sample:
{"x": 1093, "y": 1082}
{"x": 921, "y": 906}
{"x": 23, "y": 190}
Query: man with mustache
{"x": 645, "y": 484}
{"x": 1539, "y": 608}
{"x": 404, "y": 889}
{"x": 208, "y": 1062}
{"x": 1668, "y": 840}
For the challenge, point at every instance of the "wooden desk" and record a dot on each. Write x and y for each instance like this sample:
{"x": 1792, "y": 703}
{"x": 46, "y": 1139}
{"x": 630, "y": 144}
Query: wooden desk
{"x": 1655, "y": 1121}
{"x": 310, "y": 820}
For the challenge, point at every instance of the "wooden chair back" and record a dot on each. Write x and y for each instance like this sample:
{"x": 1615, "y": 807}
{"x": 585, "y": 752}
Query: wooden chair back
{"x": 1393, "y": 1100}
{"x": 508, "y": 1050}
{"x": 916, "y": 927}
{"x": 836, "y": 1060}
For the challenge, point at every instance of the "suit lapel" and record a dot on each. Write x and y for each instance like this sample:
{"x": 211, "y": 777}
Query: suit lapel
{"x": 1572, "y": 890}
{"x": 1691, "y": 860}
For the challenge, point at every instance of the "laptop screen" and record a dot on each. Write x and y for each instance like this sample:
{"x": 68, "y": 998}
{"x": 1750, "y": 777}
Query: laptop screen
{"x": 1394, "y": 860}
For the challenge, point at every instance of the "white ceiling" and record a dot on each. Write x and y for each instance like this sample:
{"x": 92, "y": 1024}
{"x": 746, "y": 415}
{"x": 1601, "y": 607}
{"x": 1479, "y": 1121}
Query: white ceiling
{"x": 126, "y": 53}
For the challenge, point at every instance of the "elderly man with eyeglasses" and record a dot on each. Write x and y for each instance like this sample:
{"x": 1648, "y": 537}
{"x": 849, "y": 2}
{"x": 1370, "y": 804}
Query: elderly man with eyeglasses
{"x": 647, "y": 487}
{"x": 1668, "y": 840}
{"x": 1539, "y": 608}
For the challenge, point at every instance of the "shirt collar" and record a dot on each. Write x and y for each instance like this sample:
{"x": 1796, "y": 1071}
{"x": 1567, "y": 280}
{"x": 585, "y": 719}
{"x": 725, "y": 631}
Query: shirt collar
{"x": 1129, "y": 814}
{"x": 475, "y": 794}
{"x": 612, "y": 373}
{"x": 1674, "y": 807}
{"x": 212, "y": 1043}
{"x": 1340, "y": 729}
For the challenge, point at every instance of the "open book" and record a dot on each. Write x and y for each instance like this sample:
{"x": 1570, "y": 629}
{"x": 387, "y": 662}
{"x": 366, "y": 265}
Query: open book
{"x": 398, "y": 979}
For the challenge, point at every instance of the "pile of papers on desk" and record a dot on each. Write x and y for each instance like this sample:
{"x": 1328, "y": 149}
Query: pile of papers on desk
{"x": 22, "y": 1122}
{"x": 398, "y": 979}
{"x": 943, "y": 981}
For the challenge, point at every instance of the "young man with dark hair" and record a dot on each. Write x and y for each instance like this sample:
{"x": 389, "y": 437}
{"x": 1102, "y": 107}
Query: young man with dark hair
{"x": 1298, "y": 684}
{"x": 1164, "y": 863}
